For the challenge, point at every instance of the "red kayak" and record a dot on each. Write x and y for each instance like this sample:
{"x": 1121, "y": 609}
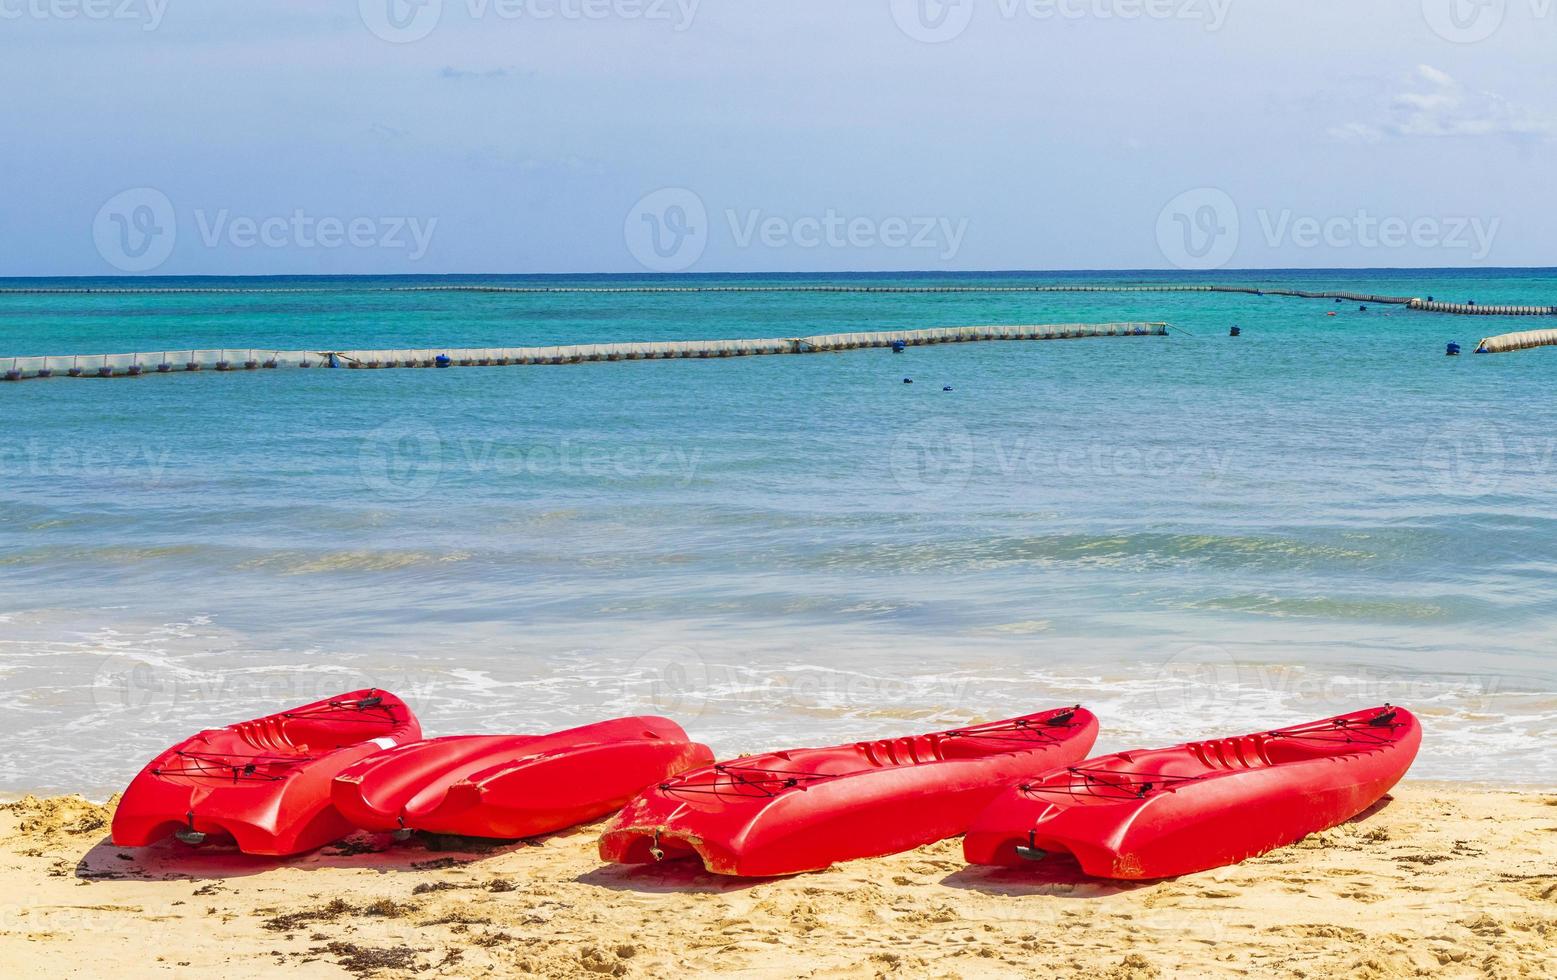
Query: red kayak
{"x": 512, "y": 786}
{"x": 1166, "y": 812}
{"x": 803, "y": 810}
{"x": 264, "y": 783}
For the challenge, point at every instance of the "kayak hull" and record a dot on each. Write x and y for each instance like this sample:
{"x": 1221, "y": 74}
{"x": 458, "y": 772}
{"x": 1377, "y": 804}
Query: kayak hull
{"x": 1203, "y": 805}
{"x": 512, "y": 786}
{"x": 265, "y": 784}
{"x": 805, "y": 810}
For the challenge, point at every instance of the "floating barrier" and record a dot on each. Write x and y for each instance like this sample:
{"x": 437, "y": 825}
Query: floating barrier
{"x": 167, "y": 362}
{"x": 1476, "y": 309}
{"x": 1416, "y": 303}
{"x": 1508, "y": 342}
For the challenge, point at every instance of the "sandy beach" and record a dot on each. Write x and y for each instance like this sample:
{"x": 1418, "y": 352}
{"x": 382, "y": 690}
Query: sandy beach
{"x": 1438, "y": 880}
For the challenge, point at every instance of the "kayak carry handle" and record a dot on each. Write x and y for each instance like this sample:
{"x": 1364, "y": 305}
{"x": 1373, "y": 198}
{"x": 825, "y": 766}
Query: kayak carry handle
{"x": 1384, "y": 718}
{"x": 1063, "y": 718}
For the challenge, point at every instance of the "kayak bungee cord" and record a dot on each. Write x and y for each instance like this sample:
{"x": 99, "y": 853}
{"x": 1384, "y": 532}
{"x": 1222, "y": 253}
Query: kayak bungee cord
{"x": 1138, "y": 784}
{"x": 214, "y": 765}
{"x": 786, "y": 779}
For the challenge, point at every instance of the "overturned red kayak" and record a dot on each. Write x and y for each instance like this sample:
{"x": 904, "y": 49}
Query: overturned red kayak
{"x": 512, "y": 786}
{"x": 803, "y": 810}
{"x": 264, "y": 783}
{"x": 1166, "y": 812}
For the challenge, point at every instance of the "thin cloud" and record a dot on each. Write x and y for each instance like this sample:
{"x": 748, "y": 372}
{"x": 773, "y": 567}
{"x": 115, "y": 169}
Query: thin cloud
{"x": 1435, "y": 105}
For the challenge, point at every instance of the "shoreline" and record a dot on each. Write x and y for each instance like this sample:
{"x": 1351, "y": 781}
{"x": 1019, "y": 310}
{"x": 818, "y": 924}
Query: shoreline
{"x": 1449, "y": 878}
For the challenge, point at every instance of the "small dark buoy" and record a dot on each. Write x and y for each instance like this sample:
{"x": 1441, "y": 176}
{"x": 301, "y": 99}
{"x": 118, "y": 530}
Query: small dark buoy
{"x": 908, "y": 381}
{"x": 1362, "y": 309}
{"x": 1429, "y": 299}
{"x": 1470, "y": 302}
{"x": 1453, "y": 350}
{"x": 947, "y": 388}
{"x": 164, "y": 368}
{"x": 134, "y": 370}
{"x": 13, "y": 375}
{"x": 1235, "y": 332}
{"x": 45, "y": 372}
{"x": 74, "y": 372}
{"x": 442, "y": 360}
{"x": 899, "y": 346}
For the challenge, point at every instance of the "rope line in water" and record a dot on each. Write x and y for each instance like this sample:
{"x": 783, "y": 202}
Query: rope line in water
{"x": 1415, "y": 303}
{"x": 240, "y": 360}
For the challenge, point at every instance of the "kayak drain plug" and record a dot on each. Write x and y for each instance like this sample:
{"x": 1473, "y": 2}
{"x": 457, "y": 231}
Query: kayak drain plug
{"x": 1031, "y": 851}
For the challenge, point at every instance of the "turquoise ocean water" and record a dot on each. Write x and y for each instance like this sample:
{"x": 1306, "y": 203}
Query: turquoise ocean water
{"x": 1194, "y": 535}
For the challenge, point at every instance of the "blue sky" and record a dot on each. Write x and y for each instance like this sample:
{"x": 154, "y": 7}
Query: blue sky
{"x": 361, "y": 136}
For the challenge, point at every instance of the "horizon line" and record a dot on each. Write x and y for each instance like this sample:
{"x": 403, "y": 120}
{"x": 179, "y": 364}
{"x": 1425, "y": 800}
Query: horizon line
{"x": 1194, "y": 273}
